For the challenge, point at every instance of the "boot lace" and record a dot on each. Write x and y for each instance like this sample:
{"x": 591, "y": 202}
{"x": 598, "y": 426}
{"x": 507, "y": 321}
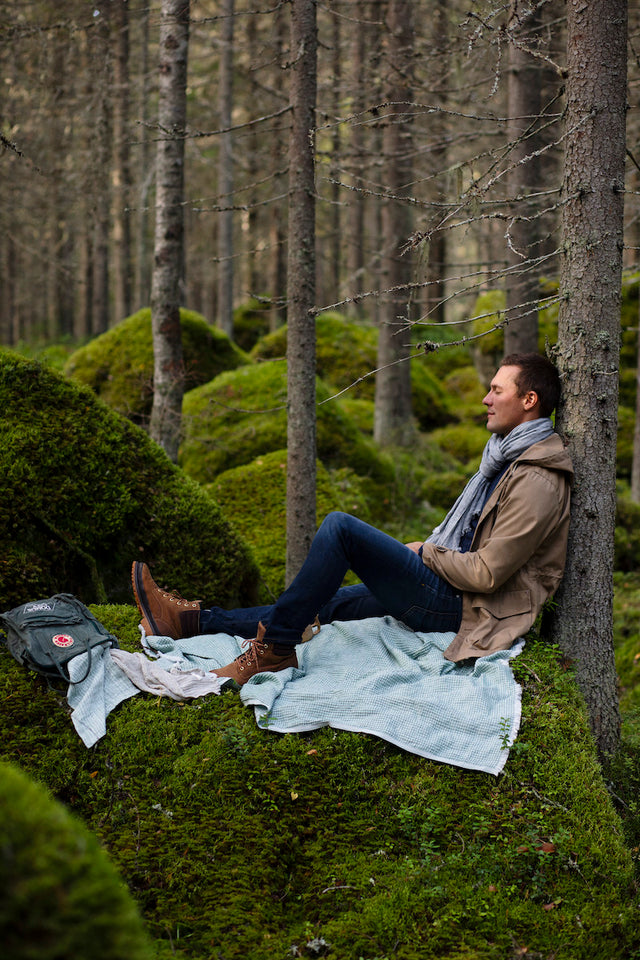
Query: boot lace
{"x": 254, "y": 649}
{"x": 179, "y": 600}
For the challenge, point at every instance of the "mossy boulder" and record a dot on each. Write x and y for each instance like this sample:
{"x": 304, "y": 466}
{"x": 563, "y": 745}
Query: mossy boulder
{"x": 346, "y": 356}
{"x": 465, "y": 442}
{"x": 251, "y": 322}
{"x": 118, "y": 365}
{"x": 489, "y": 310}
{"x": 627, "y": 532}
{"x": 243, "y": 843}
{"x": 624, "y": 442}
{"x": 253, "y": 498}
{"x": 84, "y": 492}
{"x": 61, "y": 895}
{"x": 242, "y": 415}
{"x": 466, "y": 389}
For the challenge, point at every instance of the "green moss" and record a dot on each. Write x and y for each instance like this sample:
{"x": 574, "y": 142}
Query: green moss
{"x": 61, "y": 896}
{"x": 242, "y": 415}
{"x": 85, "y": 492}
{"x": 627, "y": 532}
{"x": 624, "y": 444}
{"x": 253, "y": 497}
{"x": 241, "y": 843}
{"x": 346, "y": 356}
{"x": 118, "y": 365}
{"x": 463, "y": 441}
{"x": 250, "y": 323}
{"x": 489, "y": 309}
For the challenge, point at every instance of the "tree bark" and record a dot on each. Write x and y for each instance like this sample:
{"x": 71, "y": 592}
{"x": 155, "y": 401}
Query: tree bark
{"x": 635, "y": 463}
{"x": 440, "y": 60}
{"x": 147, "y": 169}
{"x": 166, "y": 286}
{"x": 521, "y": 332}
{"x": 225, "y": 173}
{"x": 301, "y": 344}
{"x": 100, "y": 280}
{"x": 589, "y": 344}
{"x": 121, "y": 167}
{"x": 355, "y": 226}
{"x": 277, "y": 279}
{"x": 392, "y": 415}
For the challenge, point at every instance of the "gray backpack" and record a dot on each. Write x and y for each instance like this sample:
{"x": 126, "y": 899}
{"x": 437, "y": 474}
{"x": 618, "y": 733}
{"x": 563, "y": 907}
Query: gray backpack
{"x": 44, "y": 635}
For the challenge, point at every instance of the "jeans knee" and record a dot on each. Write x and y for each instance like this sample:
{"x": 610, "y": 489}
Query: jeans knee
{"x": 335, "y": 520}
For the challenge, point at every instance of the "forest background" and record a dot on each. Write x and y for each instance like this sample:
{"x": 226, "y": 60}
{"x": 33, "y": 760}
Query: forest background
{"x": 440, "y": 144}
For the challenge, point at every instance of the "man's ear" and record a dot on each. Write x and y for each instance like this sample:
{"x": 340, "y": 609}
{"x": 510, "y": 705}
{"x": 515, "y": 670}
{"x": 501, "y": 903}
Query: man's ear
{"x": 530, "y": 399}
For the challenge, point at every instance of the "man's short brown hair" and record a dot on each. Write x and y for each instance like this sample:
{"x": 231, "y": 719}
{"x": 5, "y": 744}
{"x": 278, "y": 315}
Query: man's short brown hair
{"x": 539, "y": 374}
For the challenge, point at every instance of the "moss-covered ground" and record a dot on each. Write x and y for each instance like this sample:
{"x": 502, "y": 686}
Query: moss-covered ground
{"x": 61, "y": 894}
{"x": 238, "y": 842}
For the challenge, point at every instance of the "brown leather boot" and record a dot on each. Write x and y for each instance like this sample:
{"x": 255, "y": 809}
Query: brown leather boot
{"x": 163, "y": 614}
{"x": 258, "y": 658}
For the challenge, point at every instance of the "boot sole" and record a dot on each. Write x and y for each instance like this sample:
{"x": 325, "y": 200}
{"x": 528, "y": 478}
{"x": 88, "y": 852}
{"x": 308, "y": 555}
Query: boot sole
{"x": 141, "y": 596}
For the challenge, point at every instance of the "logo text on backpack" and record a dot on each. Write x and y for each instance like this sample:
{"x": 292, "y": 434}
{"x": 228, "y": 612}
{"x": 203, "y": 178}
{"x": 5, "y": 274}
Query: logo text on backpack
{"x": 37, "y": 607}
{"x": 62, "y": 640}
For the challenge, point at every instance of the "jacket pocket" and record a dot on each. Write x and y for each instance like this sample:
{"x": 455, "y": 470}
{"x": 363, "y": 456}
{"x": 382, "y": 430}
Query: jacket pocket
{"x": 502, "y": 605}
{"x": 500, "y": 618}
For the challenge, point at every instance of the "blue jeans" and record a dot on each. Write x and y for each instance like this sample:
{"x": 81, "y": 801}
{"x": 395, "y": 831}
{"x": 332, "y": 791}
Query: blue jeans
{"x": 394, "y": 579}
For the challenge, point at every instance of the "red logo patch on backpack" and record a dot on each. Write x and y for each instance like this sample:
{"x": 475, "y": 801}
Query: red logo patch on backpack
{"x": 62, "y": 640}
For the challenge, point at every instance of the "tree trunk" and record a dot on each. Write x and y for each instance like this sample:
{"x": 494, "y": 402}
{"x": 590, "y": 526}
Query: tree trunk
{"x": 301, "y": 344}
{"x": 166, "y": 285}
{"x": 225, "y": 173}
{"x": 101, "y": 181}
{"x": 147, "y": 171}
{"x": 356, "y": 208}
{"x": 635, "y": 464}
{"x": 392, "y": 416}
{"x": 121, "y": 166}
{"x": 335, "y": 241}
{"x": 277, "y": 279}
{"x": 434, "y": 299}
{"x": 589, "y": 343}
{"x": 521, "y": 332}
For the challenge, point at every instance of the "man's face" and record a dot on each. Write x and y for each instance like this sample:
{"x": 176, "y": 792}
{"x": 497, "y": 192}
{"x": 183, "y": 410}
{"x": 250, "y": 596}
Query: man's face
{"x": 505, "y": 409}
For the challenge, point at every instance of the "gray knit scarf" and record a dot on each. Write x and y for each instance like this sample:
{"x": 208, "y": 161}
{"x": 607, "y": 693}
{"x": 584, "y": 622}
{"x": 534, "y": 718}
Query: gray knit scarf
{"x": 498, "y": 452}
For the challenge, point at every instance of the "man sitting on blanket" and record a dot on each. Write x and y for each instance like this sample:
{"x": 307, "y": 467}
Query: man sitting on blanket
{"x": 484, "y": 573}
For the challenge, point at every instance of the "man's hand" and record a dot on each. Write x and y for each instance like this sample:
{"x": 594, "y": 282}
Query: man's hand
{"x": 415, "y": 545}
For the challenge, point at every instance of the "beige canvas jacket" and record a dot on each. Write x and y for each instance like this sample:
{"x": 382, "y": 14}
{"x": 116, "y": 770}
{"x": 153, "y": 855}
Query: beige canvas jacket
{"x": 517, "y": 556}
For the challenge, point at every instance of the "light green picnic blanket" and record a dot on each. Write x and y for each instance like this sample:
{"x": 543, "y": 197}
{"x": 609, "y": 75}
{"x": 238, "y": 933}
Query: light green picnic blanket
{"x": 374, "y": 676}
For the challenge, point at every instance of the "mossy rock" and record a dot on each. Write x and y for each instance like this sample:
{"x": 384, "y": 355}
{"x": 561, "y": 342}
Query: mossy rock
{"x": 361, "y": 412}
{"x": 85, "y": 492}
{"x": 242, "y": 415}
{"x": 346, "y": 356}
{"x": 466, "y": 389}
{"x": 240, "y": 842}
{"x": 627, "y": 532}
{"x": 442, "y": 489}
{"x": 61, "y": 895}
{"x": 624, "y": 443}
{"x": 463, "y": 441}
{"x": 629, "y": 322}
{"x": 628, "y": 387}
{"x": 118, "y": 365}
{"x": 488, "y": 310}
{"x": 253, "y": 498}
{"x": 54, "y": 355}
{"x": 251, "y": 322}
